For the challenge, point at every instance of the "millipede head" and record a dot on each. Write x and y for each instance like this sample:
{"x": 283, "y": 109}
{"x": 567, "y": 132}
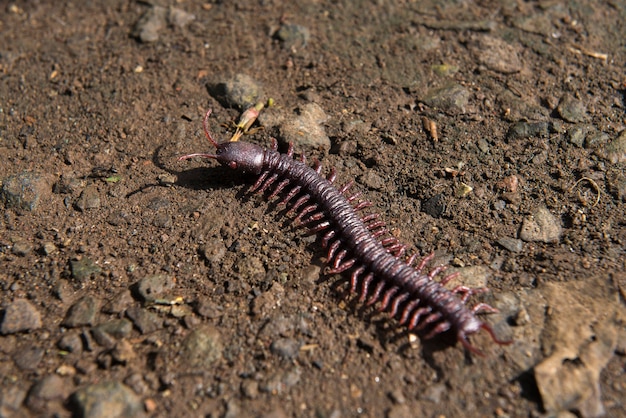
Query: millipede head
{"x": 242, "y": 156}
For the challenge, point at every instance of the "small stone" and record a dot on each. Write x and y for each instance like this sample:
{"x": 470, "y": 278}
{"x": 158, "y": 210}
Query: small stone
{"x": 523, "y": 130}
{"x": 250, "y": 269}
{"x": 179, "y": 18}
{"x": 154, "y": 287}
{"x": 451, "y": 98}
{"x": 119, "y": 303}
{"x": 213, "y": 251}
{"x": 48, "y": 248}
{"x": 20, "y": 315}
{"x": 22, "y": 247}
{"x": 151, "y": 22}
{"x": 29, "y": 358}
{"x": 241, "y": 91}
{"x": 434, "y": 206}
{"x": 306, "y": 130}
{"x": 24, "y": 191}
{"x": 614, "y": 151}
{"x": 105, "y": 334}
{"x": 512, "y": 244}
{"x": 571, "y": 109}
{"x": 202, "y": 347}
{"x": 293, "y": 36}
{"x": 71, "y": 342}
{"x": 50, "y": 388}
{"x": 285, "y": 348}
{"x": 88, "y": 199}
{"x": 250, "y": 388}
{"x": 496, "y": 54}
{"x": 145, "y": 321}
{"x": 110, "y": 399}
{"x": 123, "y": 352}
{"x": 372, "y": 180}
{"x": 83, "y": 312}
{"x": 83, "y": 269}
{"x": 541, "y": 226}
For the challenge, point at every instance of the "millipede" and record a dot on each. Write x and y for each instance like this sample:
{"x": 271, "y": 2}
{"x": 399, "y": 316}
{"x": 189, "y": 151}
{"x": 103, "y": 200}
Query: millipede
{"x": 358, "y": 245}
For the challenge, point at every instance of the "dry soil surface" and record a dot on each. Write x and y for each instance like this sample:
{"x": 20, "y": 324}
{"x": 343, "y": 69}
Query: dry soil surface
{"x": 490, "y": 133}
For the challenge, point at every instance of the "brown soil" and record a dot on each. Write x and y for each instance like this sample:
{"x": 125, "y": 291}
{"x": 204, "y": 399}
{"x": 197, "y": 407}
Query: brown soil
{"x": 98, "y": 118}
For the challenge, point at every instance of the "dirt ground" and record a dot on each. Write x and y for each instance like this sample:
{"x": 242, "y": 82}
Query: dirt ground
{"x": 131, "y": 283}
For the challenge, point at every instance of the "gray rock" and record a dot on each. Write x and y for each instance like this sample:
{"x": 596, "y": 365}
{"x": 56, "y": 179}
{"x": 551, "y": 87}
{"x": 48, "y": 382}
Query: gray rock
{"x": 107, "y": 400}
{"x": 22, "y": 247}
{"x": 145, "y": 321}
{"x": 522, "y": 130}
{"x": 105, "y": 334}
{"x": 150, "y": 23}
{"x": 71, "y": 342}
{"x": 154, "y": 287}
{"x": 293, "y": 36}
{"x": 512, "y": 244}
{"x": 451, "y": 98}
{"x": 24, "y": 191}
{"x": 213, "y": 251}
{"x": 83, "y": 312}
{"x": 306, "y": 130}
{"x": 496, "y": 54}
{"x": 202, "y": 347}
{"x": 286, "y": 348}
{"x": 241, "y": 91}
{"x": 372, "y": 180}
{"x": 89, "y": 199}
{"x": 29, "y": 358}
{"x": 83, "y": 269}
{"x": 571, "y": 109}
{"x": 541, "y": 226}
{"x": 434, "y": 206}
{"x": 614, "y": 151}
{"x": 50, "y": 388}
{"x": 20, "y": 315}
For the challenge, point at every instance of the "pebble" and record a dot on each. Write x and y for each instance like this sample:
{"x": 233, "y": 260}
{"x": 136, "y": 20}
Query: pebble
{"x": 21, "y": 247}
{"x": 571, "y": 109}
{"x": 250, "y": 388}
{"x": 434, "y": 206}
{"x": 241, "y": 91}
{"x": 12, "y": 398}
{"x": 202, "y": 347}
{"x": 372, "y": 180}
{"x": 451, "y": 98}
{"x": 20, "y": 315}
{"x": 285, "y": 348}
{"x": 89, "y": 199}
{"x": 293, "y": 36}
{"x": 29, "y": 358}
{"x": 540, "y": 226}
{"x": 250, "y": 269}
{"x": 305, "y": 131}
{"x": 108, "y": 399}
{"x": 496, "y": 54}
{"x": 213, "y": 251}
{"x": 83, "y": 269}
{"x": 50, "y": 388}
{"x": 71, "y": 342}
{"x": 119, "y": 303}
{"x": 105, "y": 334}
{"x": 150, "y": 23}
{"x": 83, "y": 312}
{"x": 512, "y": 244}
{"x": 614, "y": 151}
{"x": 154, "y": 287}
{"x": 24, "y": 191}
{"x": 522, "y": 130}
{"x": 145, "y": 321}
{"x": 282, "y": 381}
{"x": 48, "y": 248}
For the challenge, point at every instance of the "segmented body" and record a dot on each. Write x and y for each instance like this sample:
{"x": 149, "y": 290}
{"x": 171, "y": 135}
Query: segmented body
{"x": 356, "y": 244}
{"x": 378, "y": 271}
